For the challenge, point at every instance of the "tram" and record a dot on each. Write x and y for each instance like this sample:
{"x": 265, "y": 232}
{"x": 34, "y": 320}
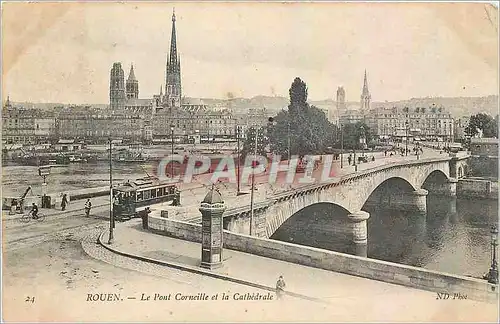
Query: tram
{"x": 132, "y": 197}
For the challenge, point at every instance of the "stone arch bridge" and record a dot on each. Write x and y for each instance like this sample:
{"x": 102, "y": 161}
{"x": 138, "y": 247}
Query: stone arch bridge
{"x": 399, "y": 185}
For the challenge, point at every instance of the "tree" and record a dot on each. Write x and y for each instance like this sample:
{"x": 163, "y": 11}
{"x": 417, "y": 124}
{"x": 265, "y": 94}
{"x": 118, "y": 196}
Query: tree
{"x": 483, "y": 122}
{"x": 249, "y": 143}
{"x": 305, "y": 128}
{"x": 352, "y": 134}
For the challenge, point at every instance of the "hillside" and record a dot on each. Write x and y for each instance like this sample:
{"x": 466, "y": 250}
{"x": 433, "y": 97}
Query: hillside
{"x": 458, "y": 106}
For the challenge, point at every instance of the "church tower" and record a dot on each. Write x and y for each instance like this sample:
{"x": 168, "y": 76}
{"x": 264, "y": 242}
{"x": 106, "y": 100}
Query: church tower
{"x": 173, "y": 80}
{"x": 132, "y": 85}
{"x": 117, "y": 96}
{"x": 365, "y": 96}
{"x": 340, "y": 99}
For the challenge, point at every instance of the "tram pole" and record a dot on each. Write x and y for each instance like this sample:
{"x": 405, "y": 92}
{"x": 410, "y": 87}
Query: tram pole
{"x": 111, "y": 215}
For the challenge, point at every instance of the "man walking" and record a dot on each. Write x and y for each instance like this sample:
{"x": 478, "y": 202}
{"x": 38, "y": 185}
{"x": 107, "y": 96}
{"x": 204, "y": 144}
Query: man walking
{"x": 88, "y": 206}
{"x": 64, "y": 202}
{"x": 280, "y": 287}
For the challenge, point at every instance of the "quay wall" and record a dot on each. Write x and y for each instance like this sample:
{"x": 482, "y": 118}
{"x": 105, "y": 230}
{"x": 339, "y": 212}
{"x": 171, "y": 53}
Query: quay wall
{"x": 477, "y": 188}
{"x": 329, "y": 260}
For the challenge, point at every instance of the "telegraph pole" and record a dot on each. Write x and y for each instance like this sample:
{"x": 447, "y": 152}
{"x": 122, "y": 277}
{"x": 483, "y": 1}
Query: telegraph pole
{"x": 111, "y": 215}
{"x": 288, "y": 138}
{"x": 253, "y": 184}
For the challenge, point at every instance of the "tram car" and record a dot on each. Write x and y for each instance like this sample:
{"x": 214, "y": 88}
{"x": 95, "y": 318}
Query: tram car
{"x": 132, "y": 197}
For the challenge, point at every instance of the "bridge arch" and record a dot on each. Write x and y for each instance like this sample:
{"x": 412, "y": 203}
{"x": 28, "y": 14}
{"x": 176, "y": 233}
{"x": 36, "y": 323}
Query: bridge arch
{"x": 337, "y": 217}
{"x": 389, "y": 193}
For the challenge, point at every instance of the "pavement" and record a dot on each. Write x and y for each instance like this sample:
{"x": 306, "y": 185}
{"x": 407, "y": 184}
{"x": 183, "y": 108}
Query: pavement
{"x": 322, "y": 287}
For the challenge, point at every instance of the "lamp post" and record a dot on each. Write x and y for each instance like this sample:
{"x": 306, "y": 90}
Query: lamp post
{"x": 493, "y": 274}
{"x": 172, "y": 138}
{"x": 406, "y": 128}
{"x": 111, "y": 214}
{"x": 341, "y": 145}
{"x": 238, "y": 131}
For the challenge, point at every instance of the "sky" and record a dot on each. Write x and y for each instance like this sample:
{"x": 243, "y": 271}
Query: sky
{"x": 63, "y": 52}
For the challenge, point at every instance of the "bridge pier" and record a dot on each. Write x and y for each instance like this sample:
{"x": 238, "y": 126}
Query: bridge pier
{"x": 447, "y": 189}
{"x": 407, "y": 201}
{"x": 359, "y": 232}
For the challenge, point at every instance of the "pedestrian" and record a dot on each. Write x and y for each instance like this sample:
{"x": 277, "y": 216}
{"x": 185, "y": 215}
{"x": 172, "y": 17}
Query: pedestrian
{"x": 385, "y": 153}
{"x": 64, "y": 202}
{"x": 88, "y": 206}
{"x": 13, "y": 207}
{"x": 280, "y": 287}
{"x": 349, "y": 158}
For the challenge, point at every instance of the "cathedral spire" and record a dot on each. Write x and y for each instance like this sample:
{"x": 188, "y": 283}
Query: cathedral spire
{"x": 161, "y": 90}
{"x": 173, "y": 43}
{"x": 173, "y": 88}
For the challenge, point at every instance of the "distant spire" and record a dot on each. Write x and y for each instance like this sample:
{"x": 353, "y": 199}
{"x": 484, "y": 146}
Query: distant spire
{"x": 161, "y": 90}
{"x": 131, "y": 76}
{"x": 365, "y": 85}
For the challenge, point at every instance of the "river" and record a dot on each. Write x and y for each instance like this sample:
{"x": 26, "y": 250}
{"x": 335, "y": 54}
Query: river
{"x": 453, "y": 236}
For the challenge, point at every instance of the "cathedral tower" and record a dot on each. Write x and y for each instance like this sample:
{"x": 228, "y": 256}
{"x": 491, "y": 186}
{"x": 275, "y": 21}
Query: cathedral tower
{"x": 117, "y": 96}
{"x": 365, "y": 96}
{"x": 173, "y": 88}
{"x": 132, "y": 85}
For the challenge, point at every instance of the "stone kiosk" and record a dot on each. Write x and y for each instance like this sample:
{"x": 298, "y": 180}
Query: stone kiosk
{"x": 212, "y": 207}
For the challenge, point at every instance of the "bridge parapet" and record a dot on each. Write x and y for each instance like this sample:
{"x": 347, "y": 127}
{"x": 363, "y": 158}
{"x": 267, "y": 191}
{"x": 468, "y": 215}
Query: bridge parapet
{"x": 334, "y": 182}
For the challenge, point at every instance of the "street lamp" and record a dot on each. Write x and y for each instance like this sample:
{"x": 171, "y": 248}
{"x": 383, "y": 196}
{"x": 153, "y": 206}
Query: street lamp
{"x": 407, "y": 126}
{"x": 493, "y": 274}
{"x": 341, "y": 145}
{"x": 238, "y": 131}
{"x": 172, "y": 138}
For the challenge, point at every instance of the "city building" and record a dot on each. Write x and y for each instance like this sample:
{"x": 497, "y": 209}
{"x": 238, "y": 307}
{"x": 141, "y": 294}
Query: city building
{"x": 27, "y": 126}
{"x": 425, "y": 123}
{"x": 194, "y": 118}
{"x": 100, "y": 126}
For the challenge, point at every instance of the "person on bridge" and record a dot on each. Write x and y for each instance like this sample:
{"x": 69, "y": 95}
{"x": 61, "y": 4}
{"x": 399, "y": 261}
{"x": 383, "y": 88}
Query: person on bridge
{"x": 349, "y": 158}
{"x": 34, "y": 211}
{"x": 88, "y": 206}
{"x": 280, "y": 287}
{"x": 64, "y": 202}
